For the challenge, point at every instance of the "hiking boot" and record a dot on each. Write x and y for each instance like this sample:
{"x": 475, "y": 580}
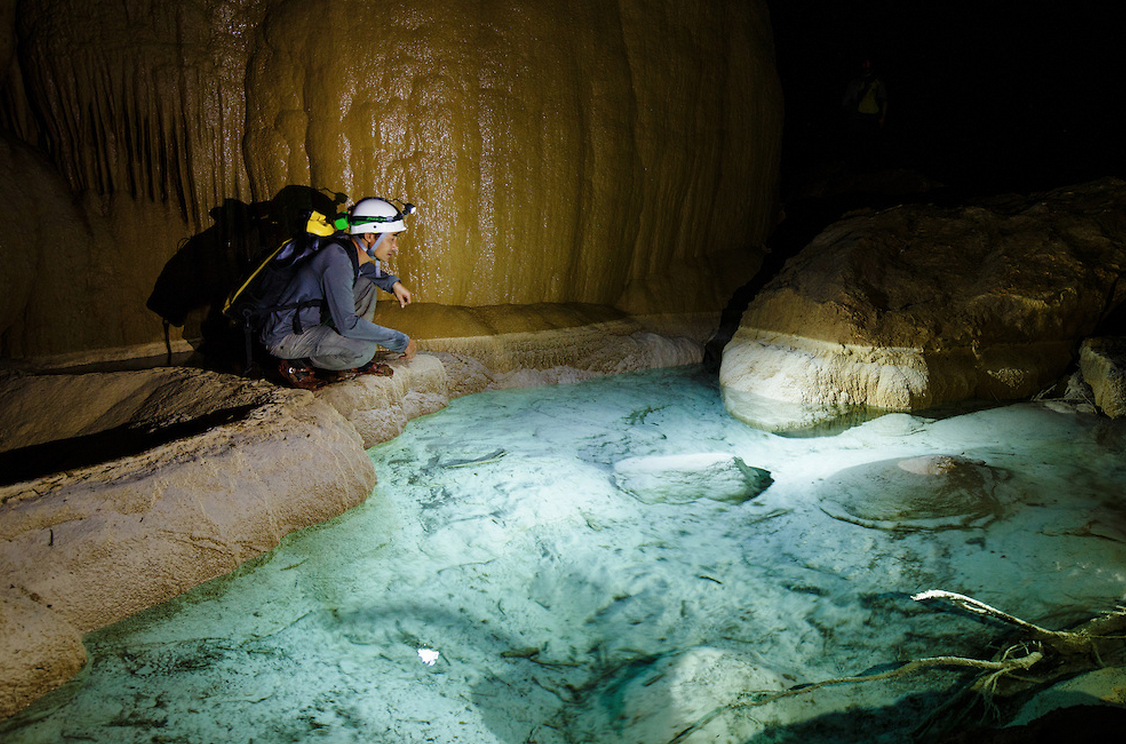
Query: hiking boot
{"x": 375, "y": 368}
{"x": 303, "y": 378}
{"x": 336, "y": 375}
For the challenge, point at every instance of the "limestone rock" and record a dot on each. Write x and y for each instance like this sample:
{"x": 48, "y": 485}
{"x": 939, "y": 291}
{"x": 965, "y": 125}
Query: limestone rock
{"x": 505, "y": 346}
{"x": 914, "y": 306}
{"x": 574, "y": 151}
{"x": 920, "y": 493}
{"x": 527, "y": 359}
{"x": 679, "y": 479}
{"x": 1103, "y": 364}
{"x": 379, "y": 407}
{"x": 102, "y": 540}
{"x": 38, "y": 651}
{"x": 43, "y": 231}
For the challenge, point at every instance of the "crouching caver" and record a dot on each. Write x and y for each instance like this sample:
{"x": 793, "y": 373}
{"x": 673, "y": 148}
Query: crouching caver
{"x": 333, "y": 297}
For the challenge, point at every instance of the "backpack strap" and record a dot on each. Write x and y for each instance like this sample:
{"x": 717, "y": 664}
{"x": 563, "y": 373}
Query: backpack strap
{"x": 349, "y": 249}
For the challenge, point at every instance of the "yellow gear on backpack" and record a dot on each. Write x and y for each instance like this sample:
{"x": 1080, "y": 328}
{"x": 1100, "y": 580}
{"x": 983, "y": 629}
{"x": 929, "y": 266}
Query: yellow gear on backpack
{"x": 869, "y": 102}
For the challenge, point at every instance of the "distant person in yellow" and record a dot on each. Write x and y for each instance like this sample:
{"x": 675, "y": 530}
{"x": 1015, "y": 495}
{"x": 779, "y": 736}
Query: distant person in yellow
{"x": 865, "y": 106}
{"x": 866, "y": 99}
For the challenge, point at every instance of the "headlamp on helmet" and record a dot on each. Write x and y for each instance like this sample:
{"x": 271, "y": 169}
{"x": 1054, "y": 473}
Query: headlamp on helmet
{"x": 376, "y": 215}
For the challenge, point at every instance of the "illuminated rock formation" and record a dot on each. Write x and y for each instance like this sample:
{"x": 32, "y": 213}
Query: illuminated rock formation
{"x": 162, "y": 479}
{"x": 622, "y": 154}
{"x": 1103, "y": 364}
{"x": 505, "y": 346}
{"x": 121, "y": 490}
{"x": 40, "y": 651}
{"x": 911, "y": 307}
{"x": 934, "y": 492}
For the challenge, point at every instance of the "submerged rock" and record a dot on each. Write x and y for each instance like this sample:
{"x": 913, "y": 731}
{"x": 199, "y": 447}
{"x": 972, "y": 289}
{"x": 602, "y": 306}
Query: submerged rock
{"x": 933, "y": 492}
{"x": 680, "y": 479}
{"x": 914, "y": 306}
{"x": 662, "y": 699}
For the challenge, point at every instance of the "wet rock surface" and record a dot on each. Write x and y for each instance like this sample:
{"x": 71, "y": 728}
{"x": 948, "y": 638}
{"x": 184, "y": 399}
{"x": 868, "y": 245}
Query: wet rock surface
{"x": 1103, "y": 364}
{"x": 914, "y": 306}
{"x": 38, "y": 651}
{"x": 188, "y": 497}
{"x": 179, "y": 124}
{"x": 62, "y": 422}
{"x": 679, "y": 479}
{"x": 932, "y": 492}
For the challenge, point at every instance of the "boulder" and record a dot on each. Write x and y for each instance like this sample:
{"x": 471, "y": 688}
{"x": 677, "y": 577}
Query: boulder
{"x": 909, "y": 307}
{"x": 679, "y": 479}
{"x": 1103, "y": 364}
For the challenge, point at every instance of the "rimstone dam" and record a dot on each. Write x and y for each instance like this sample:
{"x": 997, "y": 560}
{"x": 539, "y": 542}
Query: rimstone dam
{"x": 598, "y": 189}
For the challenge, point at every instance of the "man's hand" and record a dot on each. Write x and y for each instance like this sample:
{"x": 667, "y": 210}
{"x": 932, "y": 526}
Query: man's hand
{"x": 409, "y": 352}
{"x": 402, "y": 294}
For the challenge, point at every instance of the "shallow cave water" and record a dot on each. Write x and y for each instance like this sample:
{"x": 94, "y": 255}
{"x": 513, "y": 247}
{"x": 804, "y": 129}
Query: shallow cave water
{"x": 620, "y": 560}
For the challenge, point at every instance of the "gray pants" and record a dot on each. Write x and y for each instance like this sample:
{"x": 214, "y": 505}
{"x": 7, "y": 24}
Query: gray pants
{"x": 326, "y": 348}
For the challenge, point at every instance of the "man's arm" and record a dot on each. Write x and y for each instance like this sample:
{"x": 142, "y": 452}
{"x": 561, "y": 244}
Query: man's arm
{"x": 337, "y": 285}
{"x": 387, "y": 282}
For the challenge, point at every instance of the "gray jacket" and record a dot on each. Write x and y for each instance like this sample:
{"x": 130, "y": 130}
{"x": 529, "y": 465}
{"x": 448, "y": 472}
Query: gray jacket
{"x": 328, "y": 279}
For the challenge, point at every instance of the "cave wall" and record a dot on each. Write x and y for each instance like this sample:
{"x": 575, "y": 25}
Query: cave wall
{"x": 621, "y": 153}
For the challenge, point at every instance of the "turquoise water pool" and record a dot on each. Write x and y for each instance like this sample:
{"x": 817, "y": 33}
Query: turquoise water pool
{"x": 620, "y": 560}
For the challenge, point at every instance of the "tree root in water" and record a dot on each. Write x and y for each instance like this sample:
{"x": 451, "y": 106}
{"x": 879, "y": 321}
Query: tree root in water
{"x": 1038, "y": 659}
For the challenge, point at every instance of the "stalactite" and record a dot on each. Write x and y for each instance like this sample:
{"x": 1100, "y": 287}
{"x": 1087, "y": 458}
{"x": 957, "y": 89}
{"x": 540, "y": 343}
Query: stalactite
{"x": 127, "y": 104}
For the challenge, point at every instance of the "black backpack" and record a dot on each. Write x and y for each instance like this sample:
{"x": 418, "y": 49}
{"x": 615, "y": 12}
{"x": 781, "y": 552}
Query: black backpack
{"x": 260, "y": 292}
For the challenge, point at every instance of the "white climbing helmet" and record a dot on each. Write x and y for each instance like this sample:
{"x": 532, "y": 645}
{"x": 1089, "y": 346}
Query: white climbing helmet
{"x": 377, "y": 215}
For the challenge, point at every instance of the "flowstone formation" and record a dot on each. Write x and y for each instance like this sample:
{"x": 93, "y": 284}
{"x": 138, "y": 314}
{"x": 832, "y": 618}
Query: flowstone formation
{"x": 914, "y": 306}
{"x": 931, "y": 492}
{"x": 1103, "y": 364}
{"x": 620, "y": 154}
{"x": 122, "y": 490}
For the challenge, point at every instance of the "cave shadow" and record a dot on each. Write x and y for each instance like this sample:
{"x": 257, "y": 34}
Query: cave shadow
{"x": 804, "y": 218}
{"x": 72, "y": 453}
{"x": 193, "y": 286}
{"x": 924, "y": 719}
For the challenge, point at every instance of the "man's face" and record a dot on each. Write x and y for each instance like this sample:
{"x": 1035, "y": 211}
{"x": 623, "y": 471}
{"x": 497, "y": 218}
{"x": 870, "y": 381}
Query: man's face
{"x": 387, "y": 247}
